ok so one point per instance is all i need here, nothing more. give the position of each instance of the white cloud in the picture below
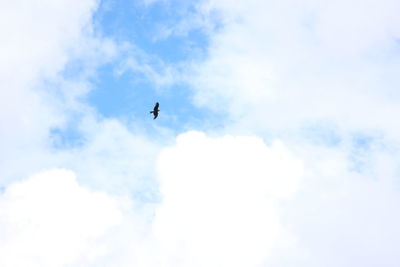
(39, 41)
(341, 217)
(219, 198)
(50, 220)
(278, 64)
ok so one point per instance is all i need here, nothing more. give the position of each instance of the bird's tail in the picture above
(151, 111)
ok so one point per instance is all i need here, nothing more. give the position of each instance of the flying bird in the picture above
(155, 111)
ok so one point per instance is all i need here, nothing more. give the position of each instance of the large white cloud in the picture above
(219, 200)
(50, 220)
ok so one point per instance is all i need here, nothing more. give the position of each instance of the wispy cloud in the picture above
(283, 63)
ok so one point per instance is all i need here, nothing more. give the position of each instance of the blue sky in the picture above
(130, 93)
(277, 143)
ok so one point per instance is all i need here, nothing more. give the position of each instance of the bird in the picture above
(155, 110)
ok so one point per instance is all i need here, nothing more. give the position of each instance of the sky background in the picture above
(277, 143)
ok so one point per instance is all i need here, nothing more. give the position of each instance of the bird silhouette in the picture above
(155, 111)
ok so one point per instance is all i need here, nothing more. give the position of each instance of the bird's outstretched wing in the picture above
(156, 106)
